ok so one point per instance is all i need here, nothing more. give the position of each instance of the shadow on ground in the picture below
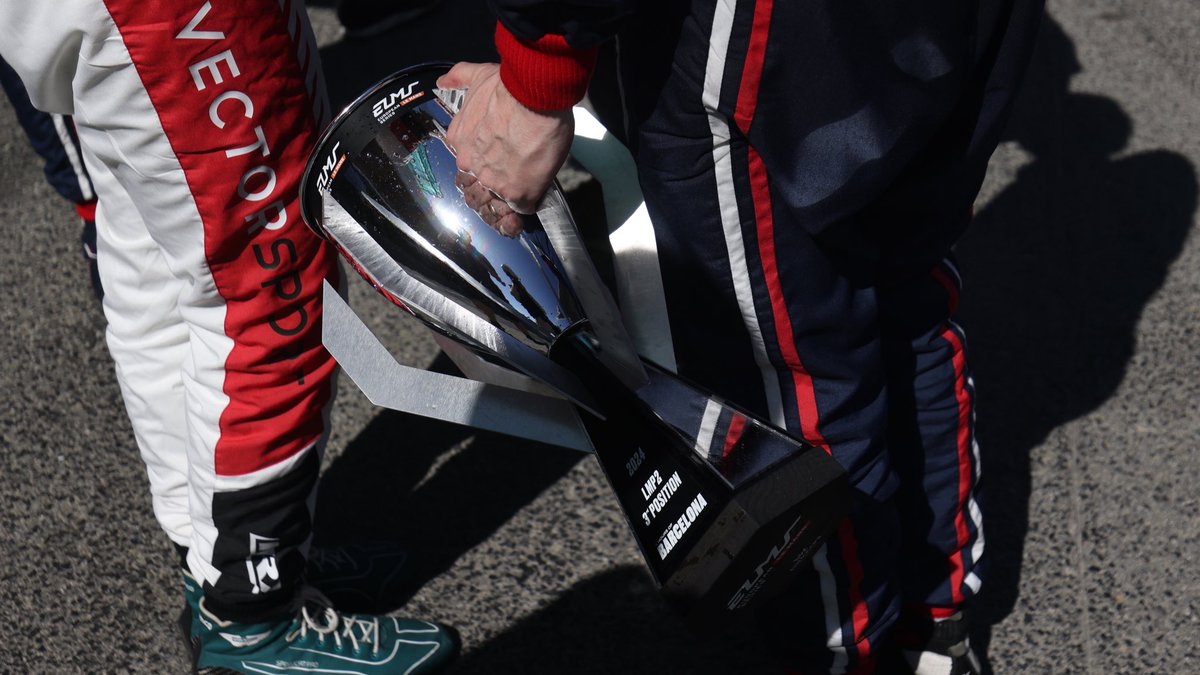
(614, 623)
(1059, 268)
(435, 488)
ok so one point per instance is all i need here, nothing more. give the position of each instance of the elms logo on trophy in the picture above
(387, 106)
(330, 168)
(723, 506)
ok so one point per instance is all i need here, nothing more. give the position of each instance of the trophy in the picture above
(724, 507)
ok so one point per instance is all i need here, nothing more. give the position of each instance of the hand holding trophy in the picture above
(724, 507)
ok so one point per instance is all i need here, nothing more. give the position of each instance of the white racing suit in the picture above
(196, 119)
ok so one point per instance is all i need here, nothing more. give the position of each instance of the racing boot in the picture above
(317, 638)
(946, 650)
(370, 578)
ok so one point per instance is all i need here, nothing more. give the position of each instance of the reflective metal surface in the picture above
(444, 314)
(400, 191)
(536, 415)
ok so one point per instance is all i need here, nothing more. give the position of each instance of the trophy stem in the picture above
(666, 490)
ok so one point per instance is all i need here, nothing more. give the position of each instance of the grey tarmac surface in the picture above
(1083, 310)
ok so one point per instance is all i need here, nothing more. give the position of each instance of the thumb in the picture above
(460, 76)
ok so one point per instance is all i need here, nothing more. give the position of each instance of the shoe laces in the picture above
(358, 631)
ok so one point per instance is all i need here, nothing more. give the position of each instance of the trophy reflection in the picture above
(724, 507)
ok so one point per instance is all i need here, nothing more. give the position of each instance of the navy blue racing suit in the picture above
(807, 168)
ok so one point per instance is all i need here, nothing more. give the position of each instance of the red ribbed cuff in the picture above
(86, 210)
(547, 74)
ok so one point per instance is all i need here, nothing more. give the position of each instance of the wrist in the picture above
(546, 75)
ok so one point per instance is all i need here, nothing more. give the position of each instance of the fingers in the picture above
(494, 210)
(502, 218)
(509, 154)
(474, 193)
(471, 123)
(464, 180)
(511, 224)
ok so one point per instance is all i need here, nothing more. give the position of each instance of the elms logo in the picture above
(387, 106)
(330, 168)
(751, 587)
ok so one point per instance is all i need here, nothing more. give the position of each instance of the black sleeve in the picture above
(584, 23)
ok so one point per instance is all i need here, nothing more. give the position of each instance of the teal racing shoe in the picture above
(371, 578)
(319, 639)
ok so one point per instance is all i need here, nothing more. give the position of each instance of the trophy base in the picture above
(725, 509)
(719, 578)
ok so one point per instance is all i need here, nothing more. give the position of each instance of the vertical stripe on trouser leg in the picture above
(973, 580)
(801, 381)
(727, 198)
(964, 395)
(948, 274)
(860, 616)
(814, 608)
(66, 135)
(846, 622)
(237, 113)
(933, 448)
(803, 389)
(836, 642)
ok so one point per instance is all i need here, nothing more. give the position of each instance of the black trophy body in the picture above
(724, 507)
(721, 526)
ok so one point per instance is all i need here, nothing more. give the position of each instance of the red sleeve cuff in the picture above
(545, 75)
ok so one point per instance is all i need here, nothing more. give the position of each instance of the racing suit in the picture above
(195, 121)
(807, 168)
(53, 138)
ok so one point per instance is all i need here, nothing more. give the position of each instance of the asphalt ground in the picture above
(1082, 305)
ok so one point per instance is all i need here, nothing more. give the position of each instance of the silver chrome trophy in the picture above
(724, 507)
